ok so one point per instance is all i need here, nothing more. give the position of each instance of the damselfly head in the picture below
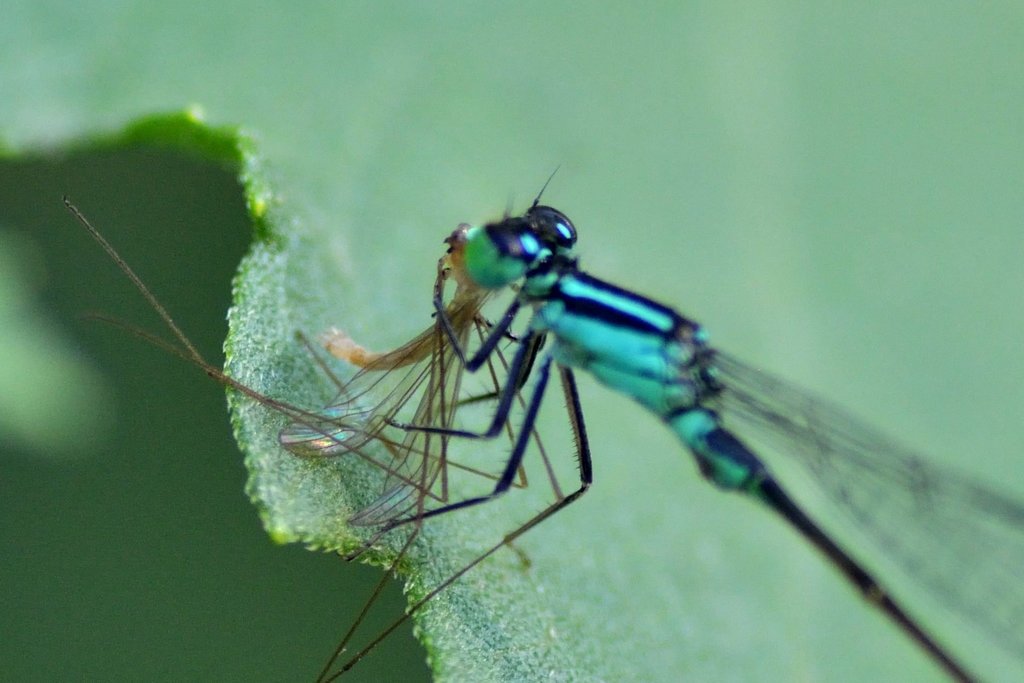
(500, 253)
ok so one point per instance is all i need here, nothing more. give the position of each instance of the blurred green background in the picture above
(834, 192)
(130, 550)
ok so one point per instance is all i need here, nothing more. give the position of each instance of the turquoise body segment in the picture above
(635, 346)
(722, 458)
(629, 344)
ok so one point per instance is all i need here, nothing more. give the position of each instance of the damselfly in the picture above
(963, 541)
(418, 383)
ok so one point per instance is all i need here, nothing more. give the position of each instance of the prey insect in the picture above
(418, 383)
